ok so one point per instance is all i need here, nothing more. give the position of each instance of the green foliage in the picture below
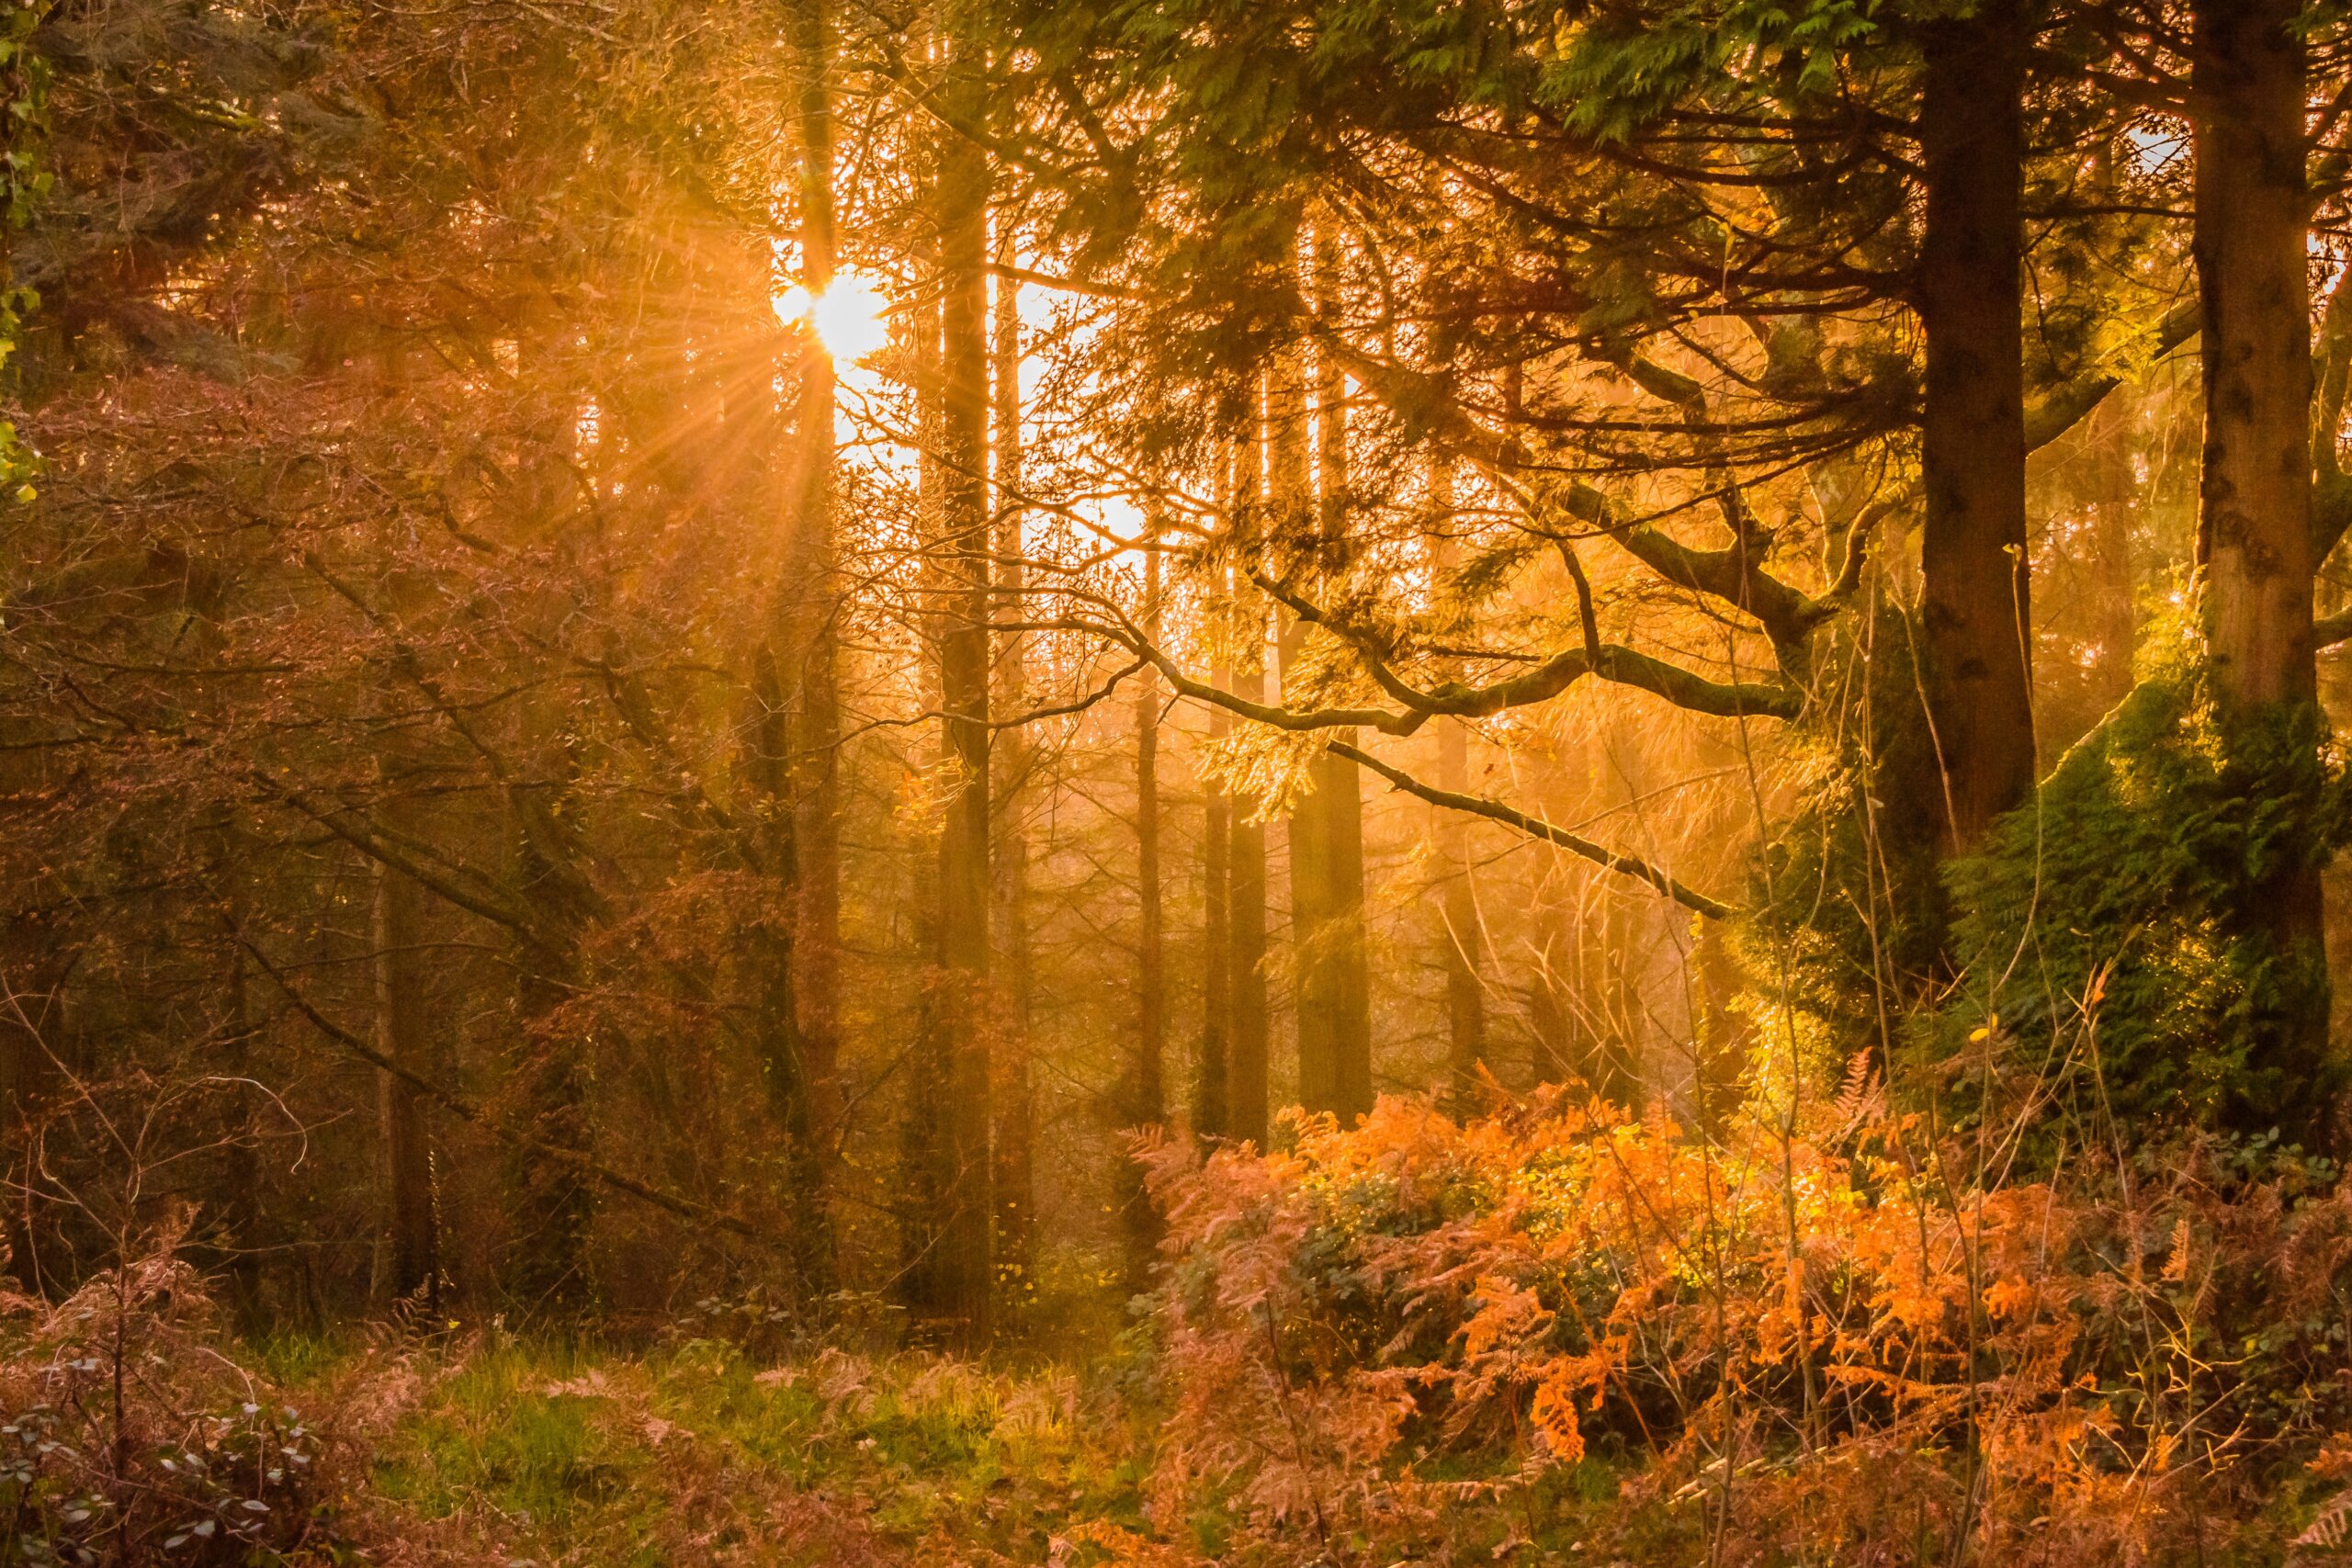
(1628, 66)
(2119, 935)
(234, 1485)
(1849, 915)
(128, 1435)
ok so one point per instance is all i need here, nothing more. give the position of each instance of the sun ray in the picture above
(850, 318)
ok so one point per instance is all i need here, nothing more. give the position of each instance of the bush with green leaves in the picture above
(2122, 974)
(128, 1435)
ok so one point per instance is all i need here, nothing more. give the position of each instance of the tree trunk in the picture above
(411, 1244)
(812, 651)
(1611, 1001)
(1015, 1183)
(1212, 1088)
(550, 1209)
(550, 1206)
(2254, 518)
(1291, 528)
(926, 1176)
(1974, 575)
(1329, 963)
(1339, 783)
(2255, 540)
(962, 954)
(1248, 1100)
(1147, 1095)
(1465, 995)
(1212, 1114)
(785, 1060)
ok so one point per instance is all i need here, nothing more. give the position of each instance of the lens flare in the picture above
(851, 317)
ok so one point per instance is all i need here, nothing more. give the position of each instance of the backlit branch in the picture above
(1535, 827)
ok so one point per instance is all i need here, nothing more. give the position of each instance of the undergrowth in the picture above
(1554, 1335)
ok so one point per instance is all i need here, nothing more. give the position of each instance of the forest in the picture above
(1140, 783)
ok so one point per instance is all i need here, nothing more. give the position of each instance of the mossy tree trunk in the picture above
(2256, 552)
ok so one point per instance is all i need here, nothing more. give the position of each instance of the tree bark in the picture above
(812, 651)
(1329, 963)
(549, 1207)
(2256, 551)
(928, 1175)
(1290, 523)
(1975, 578)
(1014, 1138)
(1465, 996)
(1212, 1115)
(411, 1229)
(966, 1256)
(2253, 515)
(1249, 1098)
(786, 1062)
(1212, 1089)
(1146, 1094)
(1339, 783)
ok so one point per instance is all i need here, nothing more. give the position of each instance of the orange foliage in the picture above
(1776, 1346)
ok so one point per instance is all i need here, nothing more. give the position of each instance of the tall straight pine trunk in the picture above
(1341, 976)
(1290, 524)
(1248, 1097)
(2256, 553)
(550, 1209)
(1211, 1077)
(812, 653)
(1145, 1097)
(1014, 1135)
(1331, 986)
(546, 1267)
(1974, 577)
(1465, 996)
(927, 1176)
(410, 1237)
(965, 1258)
(776, 1025)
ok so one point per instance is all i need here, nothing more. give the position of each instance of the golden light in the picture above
(851, 319)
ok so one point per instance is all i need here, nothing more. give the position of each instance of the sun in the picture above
(851, 317)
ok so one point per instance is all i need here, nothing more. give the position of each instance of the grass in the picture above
(569, 1454)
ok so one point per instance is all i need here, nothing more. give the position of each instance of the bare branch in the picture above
(468, 1112)
(1535, 827)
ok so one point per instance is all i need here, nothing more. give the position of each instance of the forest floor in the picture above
(1495, 1343)
(550, 1455)
(520, 1451)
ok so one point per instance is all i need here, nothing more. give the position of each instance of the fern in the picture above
(2330, 1531)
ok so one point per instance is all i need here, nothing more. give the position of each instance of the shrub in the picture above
(127, 1436)
(1563, 1323)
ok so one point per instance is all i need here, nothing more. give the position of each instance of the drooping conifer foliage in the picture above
(1547, 777)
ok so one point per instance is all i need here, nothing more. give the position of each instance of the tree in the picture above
(2256, 536)
(411, 1240)
(1146, 1092)
(810, 647)
(1011, 761)
(1975, 615)
(966, 1262)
